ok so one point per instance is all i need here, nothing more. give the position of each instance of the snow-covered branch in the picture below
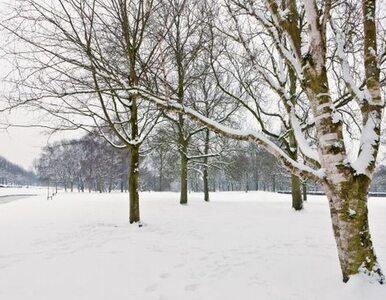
(368, 142)
(304, 146)
(361, 95)
(291, 165)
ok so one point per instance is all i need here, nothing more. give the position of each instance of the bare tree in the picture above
(75, 61)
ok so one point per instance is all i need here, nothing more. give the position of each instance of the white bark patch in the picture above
(351, 212)
(320, 108)
(322, 116)
(337, 178)
(336, 117)
(315, 34)
(333, 158)
(328, 138)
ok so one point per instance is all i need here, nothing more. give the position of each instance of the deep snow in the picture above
(238, 246)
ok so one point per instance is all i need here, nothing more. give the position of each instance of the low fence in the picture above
(321, 193)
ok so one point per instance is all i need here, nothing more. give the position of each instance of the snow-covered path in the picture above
(239, 246)
(9, 198)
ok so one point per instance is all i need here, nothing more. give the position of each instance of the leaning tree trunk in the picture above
(349, 215)
(134, 215)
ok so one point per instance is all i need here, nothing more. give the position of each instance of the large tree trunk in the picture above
(184, 173)
(349, 213)
(133, 185)
(297, 201)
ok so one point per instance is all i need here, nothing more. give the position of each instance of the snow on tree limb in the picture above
(291, 165)
(369, 139)
(346, 72)
(291, 56)
(304, 146)
(372, 109)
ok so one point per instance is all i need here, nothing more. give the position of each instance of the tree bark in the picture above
(184, 173)
(206, 184)
(206, 167)
(349, 215)
(304, 191)
(297, 201)
(134, 215)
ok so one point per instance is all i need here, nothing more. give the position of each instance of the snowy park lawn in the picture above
(238, 246)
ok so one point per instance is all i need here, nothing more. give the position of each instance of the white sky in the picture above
(20, 145)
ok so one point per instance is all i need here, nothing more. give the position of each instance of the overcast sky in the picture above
(20, 145)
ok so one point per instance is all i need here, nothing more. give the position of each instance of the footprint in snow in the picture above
(151, 288)
(164, 275)
(191, 287)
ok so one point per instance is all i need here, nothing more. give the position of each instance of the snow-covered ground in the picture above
(238, 246)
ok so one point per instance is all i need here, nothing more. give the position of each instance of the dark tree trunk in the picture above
(297, 201)
(206, 184)
(304, 191)
(206, 166)
(134, 215)
(184, 173)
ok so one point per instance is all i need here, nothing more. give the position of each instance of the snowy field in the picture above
(239, 246)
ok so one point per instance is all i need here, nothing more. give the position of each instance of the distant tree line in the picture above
(91, 164)
(83, 164)
(12, 174)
